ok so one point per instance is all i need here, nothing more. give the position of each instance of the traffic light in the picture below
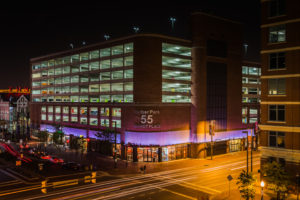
(94, 177)
(44, 187)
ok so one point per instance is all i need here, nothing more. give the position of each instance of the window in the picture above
(94, 66)
(115, 75)
(67, 60)
(74, 110)
(244, 70)
(128, 86)
(104, 64)
(105, 76)
(252, 120)
(58, 71)
(176, 62)
(253, 100)
(117, 62)
(105, 122)
(116, 87)
(94, 121)
(57, 109)
(43, 109)
(116, 50)
(176, 49)
(58, 81)
(277, 60)
(94, 54)
(176, 75)
(116, 123)
(105, 87)
(276, 112)
(66, 110)
(117, 98)
(277, 7)
(253, 111)
(244, 111)
(176, 87)
(94, 98)
(105, 52)
(277, 34)
(84, 56)
(128, 73)
(66, 80)
(244, 90)
(50, 117)
(43, 117)
(83, 120)
(94, 77)
(74, 119)
(83, 110)
(66, 70)
(128, 98)
(36, 91)
(84, 89)
(253, 81)
(36, 75)
(116, 112)
(75, 79)
(276, 139)
(276, 86)
(253, 71)
(84, 98)
(84, 78)
(128, 61)
(59, 61)
(128, 48)
(84, 67)
(94, 111)
(65, 118)
(74, 99)
(50, 109)
(36, 84)
(94, 88)
(104, 98)
(74, 89)
(57, 118)
(104, 112)
(75, 68)
(244, 120)
(176, 98)
(252, 91)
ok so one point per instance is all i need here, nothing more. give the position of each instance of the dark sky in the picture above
(29, 31)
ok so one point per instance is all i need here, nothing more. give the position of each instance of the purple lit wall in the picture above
(157, 138)
(92, 134)
(224, 135)
(46, 127)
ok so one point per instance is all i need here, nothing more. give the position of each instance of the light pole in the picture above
(297, 182)
(262, 185)
(247, 152)
(115, 153)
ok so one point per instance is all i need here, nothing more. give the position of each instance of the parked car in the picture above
(71, 165)
(57, 160)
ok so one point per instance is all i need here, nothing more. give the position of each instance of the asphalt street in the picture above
(202, 178)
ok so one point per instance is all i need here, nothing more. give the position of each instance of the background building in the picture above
(159, 92)
(280, 99)
(251, 92)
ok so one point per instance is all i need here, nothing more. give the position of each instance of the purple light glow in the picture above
(219, 136)
(157, 138)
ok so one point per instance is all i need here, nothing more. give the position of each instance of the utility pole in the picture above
(115, 153)
(251, 149)
(212, 133)
(247, 150)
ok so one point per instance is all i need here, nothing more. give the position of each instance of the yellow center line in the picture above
(17, 191)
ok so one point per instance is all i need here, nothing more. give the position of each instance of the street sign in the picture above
(18, 163)
(229, 178)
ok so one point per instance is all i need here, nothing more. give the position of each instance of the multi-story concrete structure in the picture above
(158, 92)
(280, 99)
(251, 91)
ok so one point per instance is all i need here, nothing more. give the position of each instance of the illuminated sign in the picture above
(147, 118)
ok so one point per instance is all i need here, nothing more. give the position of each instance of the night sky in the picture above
(29, 31)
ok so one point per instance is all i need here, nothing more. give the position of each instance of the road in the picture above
(203, 178)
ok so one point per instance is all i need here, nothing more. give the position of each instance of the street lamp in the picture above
(297, 182)
(115, 153)
(262, 185)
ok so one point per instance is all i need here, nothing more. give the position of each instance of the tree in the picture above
(58, 137)
(43, 136)
(105, 135)
(276, 177)
(246, 185)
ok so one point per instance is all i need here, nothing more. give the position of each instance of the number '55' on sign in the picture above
(146, 119)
